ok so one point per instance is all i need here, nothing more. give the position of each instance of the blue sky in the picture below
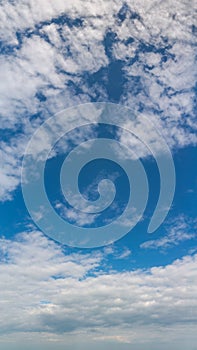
(139, 60)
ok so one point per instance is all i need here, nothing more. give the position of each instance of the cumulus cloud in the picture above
(55, 55)
(62, 294)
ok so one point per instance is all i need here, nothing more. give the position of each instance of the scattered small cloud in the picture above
(179, 230)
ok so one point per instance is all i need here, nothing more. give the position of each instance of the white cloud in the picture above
(60, 294)
(78, 218)
(180, 230)
(125, 254)
(54, 59)
(112, 250)
(10, 169)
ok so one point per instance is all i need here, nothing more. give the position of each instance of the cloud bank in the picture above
(70, 295)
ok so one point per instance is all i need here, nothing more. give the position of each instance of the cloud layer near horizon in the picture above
(70, 295)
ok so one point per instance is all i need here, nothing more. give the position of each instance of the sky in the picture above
(98, 194)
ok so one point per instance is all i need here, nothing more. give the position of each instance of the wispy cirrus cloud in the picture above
(180, 229)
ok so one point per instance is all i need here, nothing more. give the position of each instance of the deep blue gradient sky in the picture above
(140, 55)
